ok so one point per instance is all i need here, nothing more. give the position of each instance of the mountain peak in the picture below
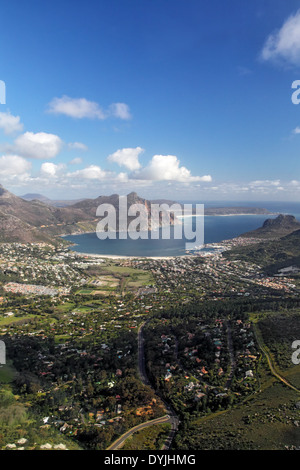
(133, 195)
(281, 221)
(282, 225)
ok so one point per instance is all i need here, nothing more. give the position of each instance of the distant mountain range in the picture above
(237, 210)
(35, 218)
(38, 220)
(35, 221)
(50, 202)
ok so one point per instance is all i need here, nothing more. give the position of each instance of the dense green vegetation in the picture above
(215, 332)
(202, 401)
(271, 255)
(269, 421)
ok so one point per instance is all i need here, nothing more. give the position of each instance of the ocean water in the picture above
(216, 229)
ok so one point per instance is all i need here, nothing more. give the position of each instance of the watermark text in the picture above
(2, 353)
(296, 354)
(154, 221)
(2, 92)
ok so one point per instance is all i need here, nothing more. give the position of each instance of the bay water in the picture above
(216, 229)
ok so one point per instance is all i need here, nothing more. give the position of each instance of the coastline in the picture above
(221, 215)
(94, 255)
(271, 214)
(71, 245)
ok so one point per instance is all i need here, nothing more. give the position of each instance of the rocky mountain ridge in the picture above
(34, 221)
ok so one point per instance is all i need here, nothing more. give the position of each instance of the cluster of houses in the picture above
(209, 273)
(44, 265)
(31, 289)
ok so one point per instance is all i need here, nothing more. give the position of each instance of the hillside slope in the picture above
(271, 255)
(275, 228)
(34, 221)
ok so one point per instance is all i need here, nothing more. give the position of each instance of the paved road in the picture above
(120, 441)
(171, 417)
(274, 372)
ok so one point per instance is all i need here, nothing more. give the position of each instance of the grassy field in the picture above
(6, 321)
(267, 422)
(115, 279)
(278, 330)
(7, 373)
(130, 277)
(64, 307)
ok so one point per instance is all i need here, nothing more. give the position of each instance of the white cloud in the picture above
(52, 170)
(76, 108)
(266, 188)
(78, 146)
(10, 123)
(80, 108)
(283, 46)
(92, 172)
(122, 178)
(120, 110)
(296, 130)
(128, 157)
(13, 165)
(40, 145)
(167, 168)
(264, 183)
(257, 187)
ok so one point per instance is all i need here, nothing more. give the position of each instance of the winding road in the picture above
(270, 364)
(170, 417)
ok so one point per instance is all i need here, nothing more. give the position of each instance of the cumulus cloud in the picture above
(76, 108)
(79, 108)
(128, 157)
(167, 168)
(283, 45)
(13, 165)
(122, 178)
(52, 170)
(92, 172)
(40, 145)
(10, 123)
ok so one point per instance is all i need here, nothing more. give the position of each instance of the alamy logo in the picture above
(296, 354)
(2, 92)
(151, 221)
(2, 353)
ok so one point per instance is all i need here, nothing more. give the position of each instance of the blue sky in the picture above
(183, 99)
